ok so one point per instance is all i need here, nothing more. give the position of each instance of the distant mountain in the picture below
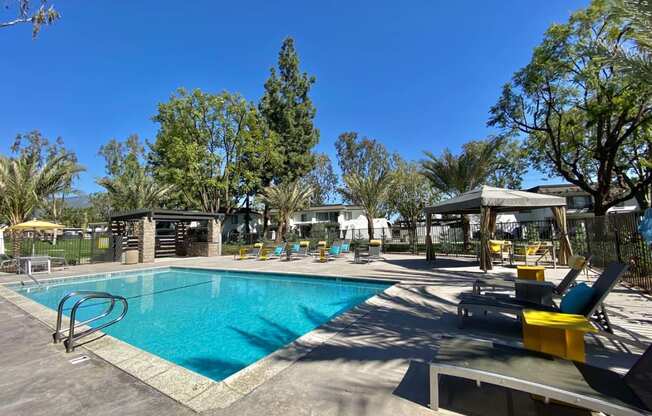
(79, 201)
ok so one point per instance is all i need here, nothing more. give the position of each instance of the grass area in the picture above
(74, 250)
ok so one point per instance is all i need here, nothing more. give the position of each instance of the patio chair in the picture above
(512, 306)
(266, 254)
(497, 249)
(566, 382)
(373, 253)
(297, 250)
(576, 263)
(526, 252)
(8, 262)
(345, 247)
(252, 253)
(331, 254)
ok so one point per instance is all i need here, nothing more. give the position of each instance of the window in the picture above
(322, 216)
(234, 218)
(578, 202)
(304, 217)
(332, 216)
(348, 215)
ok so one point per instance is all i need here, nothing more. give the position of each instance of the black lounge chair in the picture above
(564, 381)
(532, 290)
(603, 285)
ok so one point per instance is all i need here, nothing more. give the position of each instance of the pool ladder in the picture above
(70, 339)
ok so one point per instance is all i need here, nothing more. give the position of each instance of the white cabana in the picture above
(488, 202)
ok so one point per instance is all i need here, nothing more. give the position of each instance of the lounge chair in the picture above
(345, 247)
(567, 382)
(544, 290)
(8, 262)
(266, 254)
(373, 252)
(331, 254)
(252, 253)
(603, 285)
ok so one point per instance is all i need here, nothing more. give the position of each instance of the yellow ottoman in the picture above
(531, 273)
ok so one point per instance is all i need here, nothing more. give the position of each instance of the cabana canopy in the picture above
(488, 202)
(499, 199)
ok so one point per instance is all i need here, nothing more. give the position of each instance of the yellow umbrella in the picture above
(35, 225)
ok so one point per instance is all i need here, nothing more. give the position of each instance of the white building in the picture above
(579, 203)
(347, 220)
(234, 225)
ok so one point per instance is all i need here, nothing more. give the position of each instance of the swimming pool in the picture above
(213, 322)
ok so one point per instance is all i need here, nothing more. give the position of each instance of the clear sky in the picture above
(418, 75)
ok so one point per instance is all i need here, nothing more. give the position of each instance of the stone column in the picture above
(146, 240)
(214, 238)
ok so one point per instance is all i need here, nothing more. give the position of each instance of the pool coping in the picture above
(185, 386)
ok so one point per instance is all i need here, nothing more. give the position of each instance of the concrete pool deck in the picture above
(375, 365)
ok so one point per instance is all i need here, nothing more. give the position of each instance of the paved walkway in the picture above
(376, 366)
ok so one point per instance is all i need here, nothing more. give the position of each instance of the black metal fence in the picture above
(86, 248)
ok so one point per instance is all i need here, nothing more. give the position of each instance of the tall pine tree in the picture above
(290, 113)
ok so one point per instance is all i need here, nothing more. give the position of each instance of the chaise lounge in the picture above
(481, 305)
(567, 382)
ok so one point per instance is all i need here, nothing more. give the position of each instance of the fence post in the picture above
(92, 245)
(79, 252)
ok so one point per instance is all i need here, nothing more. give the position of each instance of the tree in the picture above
(290, 113)
(33, 144)
(578, 111)
(370, 193)
(322, 180)
(287, 198)
(637, 15)
(212, 148)
(42, 16)
(483, 162)
(129, 184)
(101, 207)
(361, 156)
(409, 193)
(29, 178)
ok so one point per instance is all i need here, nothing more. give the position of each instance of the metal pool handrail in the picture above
(69, 341)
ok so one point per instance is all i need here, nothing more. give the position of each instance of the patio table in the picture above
(559, 334)
(27, 263)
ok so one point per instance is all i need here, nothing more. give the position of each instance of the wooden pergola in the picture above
(142, 233)
(488, 202)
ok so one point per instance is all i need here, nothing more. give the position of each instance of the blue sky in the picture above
(417, 75)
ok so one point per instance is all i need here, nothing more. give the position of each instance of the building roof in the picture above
(502, 200)
(326, 207)
(166, 215)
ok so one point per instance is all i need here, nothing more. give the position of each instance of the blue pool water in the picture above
(214, 322)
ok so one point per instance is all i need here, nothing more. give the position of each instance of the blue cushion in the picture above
(577, 299)
(345, 247)
(335, 250)
(296, 247)
(278, 250)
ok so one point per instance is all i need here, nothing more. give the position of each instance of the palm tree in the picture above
(369, 192)
(26, 183)
(134, 190)
(454, 175)
(287, 198)
(637, 15)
